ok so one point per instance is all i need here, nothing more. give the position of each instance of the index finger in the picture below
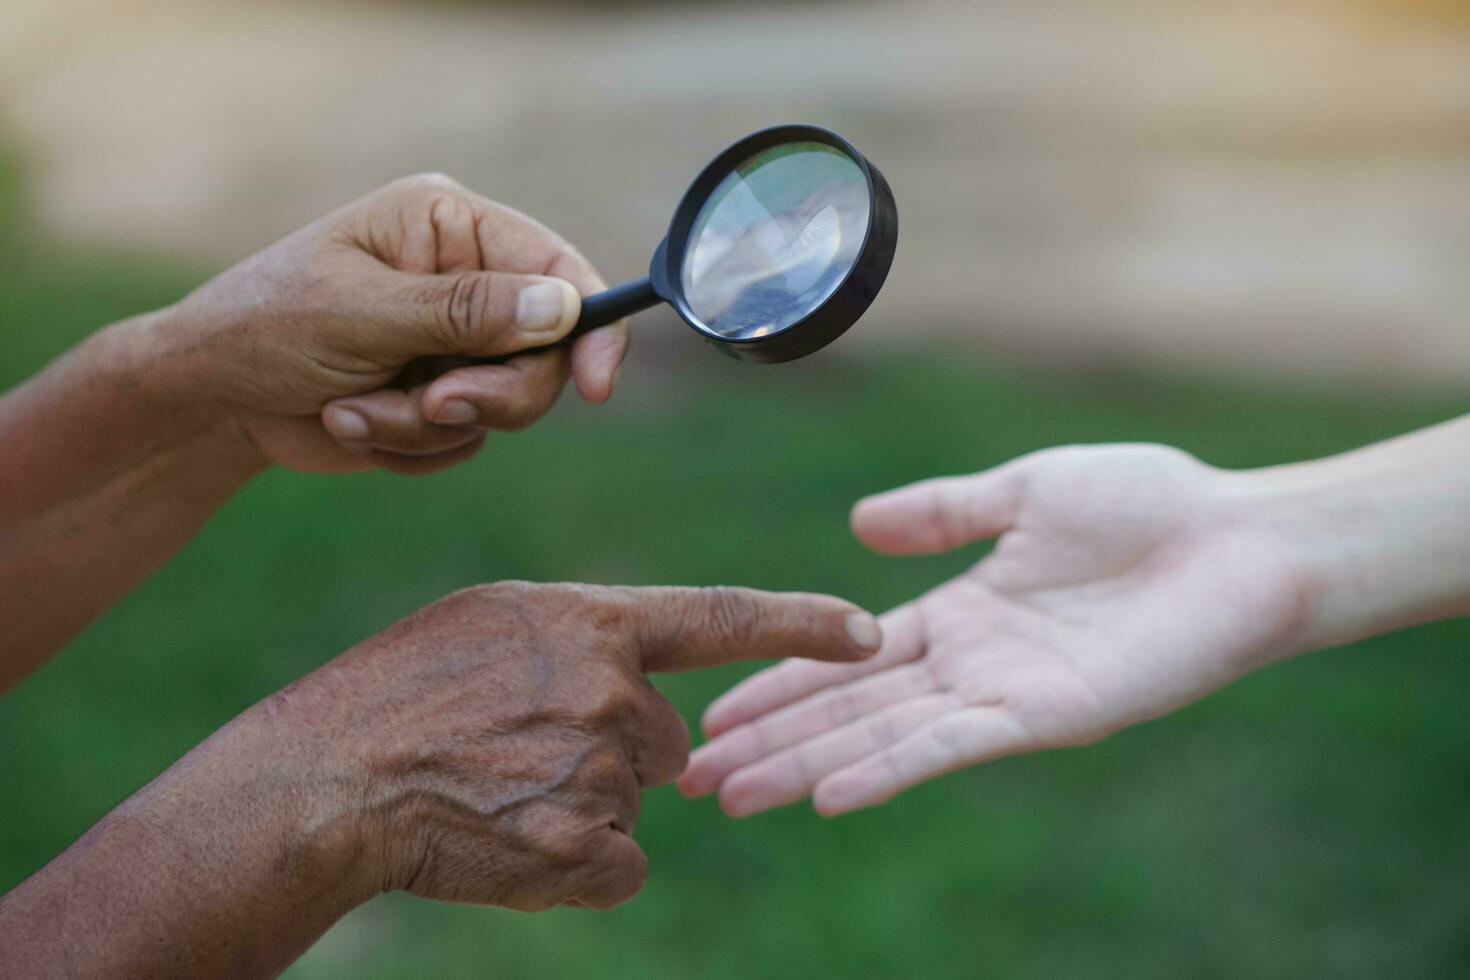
(516, 242)
(512, 241)
(688, 629)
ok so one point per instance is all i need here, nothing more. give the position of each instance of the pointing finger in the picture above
(687, 629)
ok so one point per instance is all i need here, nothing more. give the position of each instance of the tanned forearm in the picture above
(108, 471)
(232, 862)
(227, 865)
(115, 456)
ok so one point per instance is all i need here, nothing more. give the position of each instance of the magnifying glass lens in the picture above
(775, 239)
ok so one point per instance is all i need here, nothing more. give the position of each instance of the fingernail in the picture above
(864, 630)
(540, 308)
(347, 424)
(455, 412)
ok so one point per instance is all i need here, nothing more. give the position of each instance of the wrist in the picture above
(268, 846)
(1377, 539)
(166, 361)
(114, 416)
(216, 868)
(312, 804)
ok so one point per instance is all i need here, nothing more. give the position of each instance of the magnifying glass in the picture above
(778, 246)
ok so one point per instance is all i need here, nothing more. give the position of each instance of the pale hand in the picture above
(1127, 581)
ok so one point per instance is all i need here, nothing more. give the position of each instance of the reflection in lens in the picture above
(775, 239)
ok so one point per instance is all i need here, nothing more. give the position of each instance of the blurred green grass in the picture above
(1310, 821)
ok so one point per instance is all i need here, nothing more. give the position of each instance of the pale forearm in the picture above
(109, 469)
(1381, 534)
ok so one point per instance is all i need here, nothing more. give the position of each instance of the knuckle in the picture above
(431, 181)
(579, 608)
(562, 852)
(440, 207)
(490, 595)
(464, 310)
(506, 589)
(421, 187)
(567, 258)
(606, 612)
(566, 253)
(611, 705)
(729, 612)
(565, 839)
(602, 774)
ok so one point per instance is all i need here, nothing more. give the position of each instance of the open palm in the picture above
(1127, 581)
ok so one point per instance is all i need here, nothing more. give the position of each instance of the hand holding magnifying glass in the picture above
(778, 246)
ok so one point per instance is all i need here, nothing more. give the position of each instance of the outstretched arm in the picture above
(491, 749)
(342, 348)
(1127, 581)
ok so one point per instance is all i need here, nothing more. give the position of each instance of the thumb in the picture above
(687, 629)
(477, 314)
(940, 515)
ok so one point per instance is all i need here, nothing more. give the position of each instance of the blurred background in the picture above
(1238, 227)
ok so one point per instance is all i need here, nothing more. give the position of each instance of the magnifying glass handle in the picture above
(614, 305)
(602, 309)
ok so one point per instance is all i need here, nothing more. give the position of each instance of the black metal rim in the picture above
(852, 296)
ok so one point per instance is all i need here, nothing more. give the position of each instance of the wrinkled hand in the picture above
(347, 345)
(1127, 581)
(492, 748)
